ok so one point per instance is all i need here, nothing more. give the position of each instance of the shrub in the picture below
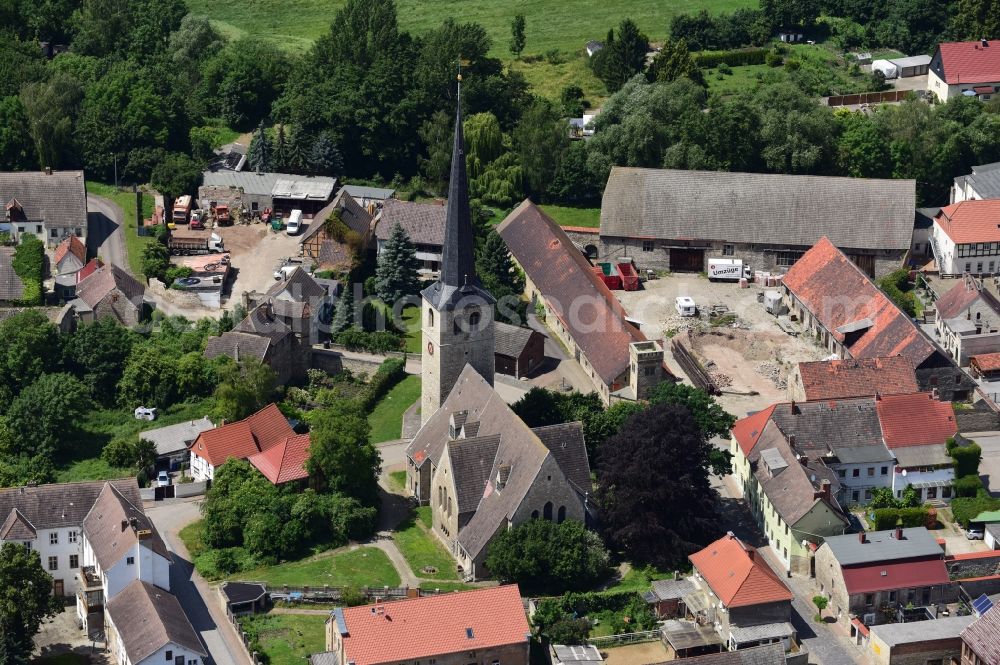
(966, 508)
(773, 59)
(966, 459)
(886, 518)
(968, 486)
(735, 58)
(725, 69)
(389, 373)
(373, 342)
(29, 264)
(569, 631)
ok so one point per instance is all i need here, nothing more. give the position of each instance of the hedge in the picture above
(28, 264)
(966, 459)
(389, 373)
(736, 58)
(966, 508)
(373, 342)
(886, 518)
(968, 486)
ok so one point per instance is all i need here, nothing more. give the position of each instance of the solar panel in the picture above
(982, 605)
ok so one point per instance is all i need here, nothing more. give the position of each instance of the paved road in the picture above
(200, 602)
(105, 231)
(989, 467)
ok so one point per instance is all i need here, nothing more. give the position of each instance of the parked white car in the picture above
(162, 479)
(294, 224)
(145, 413)
(975, 533)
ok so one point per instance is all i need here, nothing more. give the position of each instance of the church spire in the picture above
(458, 263)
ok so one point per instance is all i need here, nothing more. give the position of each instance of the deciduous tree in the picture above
(341, 456)
(25, 599)
(43, 416)
(97, 353)
(244, 388)
(517, 36)
(176, 174)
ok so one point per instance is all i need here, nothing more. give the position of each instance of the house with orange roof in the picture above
(739, 594)
(965, 237)
(284, 462)
(257, 433)
(851, 377)
(916, 428)
(845, 312)
(479, 627)
(965, 68)
(967, 320)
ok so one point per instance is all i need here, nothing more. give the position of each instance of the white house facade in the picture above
(965, 68)
(965, 237)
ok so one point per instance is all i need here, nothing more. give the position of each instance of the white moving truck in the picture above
(727, 269)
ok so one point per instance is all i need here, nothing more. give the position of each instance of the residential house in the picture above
(423, 224)
(792, 497)
(851, 377)
(479, 627)
(519, 350)
(242, 439)
(982, 183)
(266, 337)
(285, 461)
(371, 199)
(849, 315)
(966, 238)
(69, 259)
(327, 243)
(147, 626)
(921, 642)
(579, 309)
(676, 220)
(871, 575)
(965, 68)
(49, 204)
(967, 320)
(302, 302)
(172, 442)
(11, 286)
(119, 545)
(740, 595)
(981, 640)
(49, 519)
(255, 191)
(483, 471)
(107, 292)
(915, 428)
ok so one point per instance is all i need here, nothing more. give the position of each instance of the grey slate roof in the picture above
(59, 199)
(883, 546)
(763, 631)
(174, 438)
(896, 634)
(985, 180)
(364, 192)
(243, 592)
(815, 428)
(510, 340)
(149, 618)
(249, 345)
(924, 217)
(102, 527)
(785, 210)
(11, 286)
(932, 455)
(60, 505)
(262, 321)
(565, 442)
(277, 185)
(472, 461)
(670, 589)
(863, 454)
(97, 285)
(17, 527)
(983, 636)
(768, 654)
(351, 213)
(300, 286)
(423, 222)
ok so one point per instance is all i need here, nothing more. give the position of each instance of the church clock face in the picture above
(430, 348)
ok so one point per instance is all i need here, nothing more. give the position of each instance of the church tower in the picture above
(457, 312)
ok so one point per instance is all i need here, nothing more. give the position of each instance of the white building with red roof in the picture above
(965, 68)
(741, 595)
(965, 238)
(915, 428)
(245, 439)
(480, 627)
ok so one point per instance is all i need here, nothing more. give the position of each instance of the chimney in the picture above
(48, 169)
(503, 473)
(124, 524)
(861, 538)
(824, 491)
(878, 396)
(899, 529)
(793, 406)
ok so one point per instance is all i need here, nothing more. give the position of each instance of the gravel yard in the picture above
(256, 251)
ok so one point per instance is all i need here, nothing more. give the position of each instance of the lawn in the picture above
(99, 427)
(397, 480)
(193, 536)
(422, 549)
(567, 216)
(639, 579)
(548, 76)
(126, 201)
(386, 419)
(818, 63)
(364, 566)
(446, 586)
(287, 639)
(565, 25)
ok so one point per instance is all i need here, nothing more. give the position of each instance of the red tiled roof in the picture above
(969, 62)
(983, 90)
(260, 431)
(72, 245)
(986, 362)
(971, 221)
(420, 628)
(841, 379)
(738, 575)
(915, 420)
(837, 293)
(889, 576)
(747, 430)
(284, 462)
(581, 301)
(88, 269)
(862, 628)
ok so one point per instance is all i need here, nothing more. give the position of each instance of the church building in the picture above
(480, 467)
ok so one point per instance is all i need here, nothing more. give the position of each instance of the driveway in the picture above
(989, 467)
(105, 231)
(200, 602)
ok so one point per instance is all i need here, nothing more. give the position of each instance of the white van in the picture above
(294, 224)
(685, 306)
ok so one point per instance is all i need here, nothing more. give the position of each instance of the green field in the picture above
(565, 25)
(287, 639)
(567, 216)
(422, 549)
(816, 58)
(126, 201)
(386, 419)
(364, 566)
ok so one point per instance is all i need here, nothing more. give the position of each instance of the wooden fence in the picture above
(869, 98)
(699, 377)
(624, 638)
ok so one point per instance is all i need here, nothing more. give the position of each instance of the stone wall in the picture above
(981, 419)
(980, 566)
